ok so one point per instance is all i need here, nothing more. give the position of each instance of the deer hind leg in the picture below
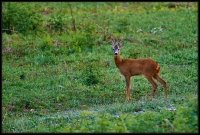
(128, 87)
(153, 83)
(159, 79)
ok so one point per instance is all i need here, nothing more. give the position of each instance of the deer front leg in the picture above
(128, 88)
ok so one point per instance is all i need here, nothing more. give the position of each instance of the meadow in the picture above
(59, 75)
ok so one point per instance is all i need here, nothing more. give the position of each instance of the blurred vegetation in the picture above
(58, 72)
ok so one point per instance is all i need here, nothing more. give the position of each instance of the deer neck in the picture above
(118, 60)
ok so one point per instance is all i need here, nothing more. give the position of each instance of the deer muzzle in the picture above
(116, 51)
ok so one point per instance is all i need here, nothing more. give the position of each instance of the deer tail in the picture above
(158, 68)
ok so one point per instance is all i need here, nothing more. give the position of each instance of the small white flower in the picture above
(32, 110)
(139, 30)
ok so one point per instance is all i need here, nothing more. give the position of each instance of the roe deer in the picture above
(131, 67)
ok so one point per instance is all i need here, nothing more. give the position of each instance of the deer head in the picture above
(116, 45)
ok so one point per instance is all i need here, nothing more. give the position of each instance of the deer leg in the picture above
(158, 78)
(128, 87)
(153, 83)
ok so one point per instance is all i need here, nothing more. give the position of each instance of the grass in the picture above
(64, 81)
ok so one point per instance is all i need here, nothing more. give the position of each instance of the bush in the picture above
(81, 42)
(186, 118)
(57, 23)
(92, 74)
(22, 19)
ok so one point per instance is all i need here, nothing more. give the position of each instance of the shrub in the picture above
(91, 74)
(22, 19)
(57, 23)
(186, 118)
(81, 42)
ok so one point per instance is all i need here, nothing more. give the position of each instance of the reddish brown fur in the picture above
(131, 67)
(147, 67)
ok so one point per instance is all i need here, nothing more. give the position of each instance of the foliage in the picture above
(56, 79)
(92, 74)
(22, 19)
(57, 23)
(186, 117)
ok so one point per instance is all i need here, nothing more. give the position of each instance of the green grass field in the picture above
(59, 75)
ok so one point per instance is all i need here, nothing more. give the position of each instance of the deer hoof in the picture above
(128, 98)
